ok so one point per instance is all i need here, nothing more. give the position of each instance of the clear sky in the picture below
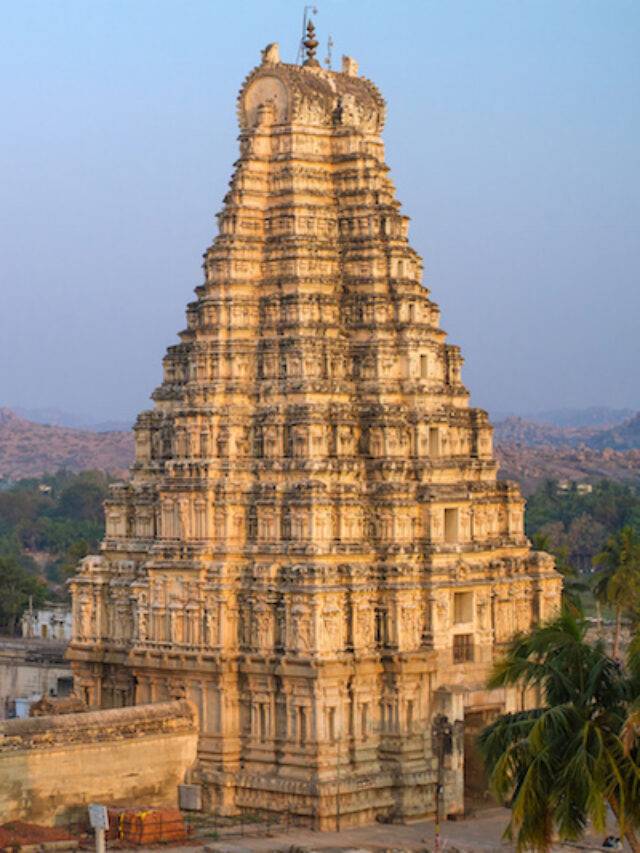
(512, 136)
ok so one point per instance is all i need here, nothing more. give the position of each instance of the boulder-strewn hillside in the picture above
(531, 465)
(516, 430)
(28, 449)
(530, 452)
(623, 436)
(626, 436)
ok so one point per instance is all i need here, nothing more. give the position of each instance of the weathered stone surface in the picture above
(51, 768)
(48, 706)
(313, 546)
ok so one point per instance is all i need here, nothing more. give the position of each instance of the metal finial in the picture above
(310, 8)
(311, 45)
(329, 59)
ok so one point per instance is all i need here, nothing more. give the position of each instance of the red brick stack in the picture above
(143, 826)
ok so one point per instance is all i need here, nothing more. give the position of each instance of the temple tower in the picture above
(313, 546)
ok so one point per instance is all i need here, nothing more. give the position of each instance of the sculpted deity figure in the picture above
(123, 619)
(300, 628)
(410, 621)
(183, 512)
(175, 622)
(211, 623)
(331, 623)
(364, 624)
(244, 627)
(156, 444)
(143, 627)
(262, 627)
(85, 617)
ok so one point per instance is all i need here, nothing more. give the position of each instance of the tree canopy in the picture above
(565, 761)
(46, 526)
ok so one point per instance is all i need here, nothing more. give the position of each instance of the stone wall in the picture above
(52, 767)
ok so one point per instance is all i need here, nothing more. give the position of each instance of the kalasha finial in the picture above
(311, 45)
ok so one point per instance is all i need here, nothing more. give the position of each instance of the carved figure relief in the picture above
(300, 628)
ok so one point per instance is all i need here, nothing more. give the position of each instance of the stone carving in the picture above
(300, 628)
(410, 626)
(84, 624)
(183, 514)
(262, 627)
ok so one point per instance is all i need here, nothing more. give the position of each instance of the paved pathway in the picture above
(482, 832)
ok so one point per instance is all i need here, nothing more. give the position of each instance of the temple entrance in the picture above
(476, 785)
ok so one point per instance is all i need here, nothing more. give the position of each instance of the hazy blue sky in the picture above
(512, 136)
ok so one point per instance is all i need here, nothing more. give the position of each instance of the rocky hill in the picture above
(603, 417)
(626, 436)
(29, 449)
(530, 451)
(515, 430)
(531, 465)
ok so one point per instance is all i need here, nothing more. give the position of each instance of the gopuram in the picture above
(313, 546)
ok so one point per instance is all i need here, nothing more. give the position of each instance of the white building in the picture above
(51, 622)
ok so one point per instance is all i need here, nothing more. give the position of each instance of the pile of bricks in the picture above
(141, 826)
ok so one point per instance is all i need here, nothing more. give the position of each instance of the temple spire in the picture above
(311, 45)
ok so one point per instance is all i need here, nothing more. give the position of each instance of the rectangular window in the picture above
(424, 365)
(451, 525)
(381, 633)
(462, 607)
(462, 648)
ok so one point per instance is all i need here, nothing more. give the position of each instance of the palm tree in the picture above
(618, 581)
(631, 728)
(562, 763)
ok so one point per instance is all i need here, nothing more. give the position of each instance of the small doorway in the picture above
(476, 784)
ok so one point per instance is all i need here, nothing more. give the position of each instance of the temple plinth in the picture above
(313, 545)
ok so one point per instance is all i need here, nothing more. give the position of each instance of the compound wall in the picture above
(51, 768)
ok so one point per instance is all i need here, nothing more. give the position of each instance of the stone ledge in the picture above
(113, 724)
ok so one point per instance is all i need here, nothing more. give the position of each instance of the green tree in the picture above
(83, 497)
(617, 582)
(572, 586)
(562, 763)
(17, 586)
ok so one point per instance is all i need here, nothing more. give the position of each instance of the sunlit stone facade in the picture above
(313, 546)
